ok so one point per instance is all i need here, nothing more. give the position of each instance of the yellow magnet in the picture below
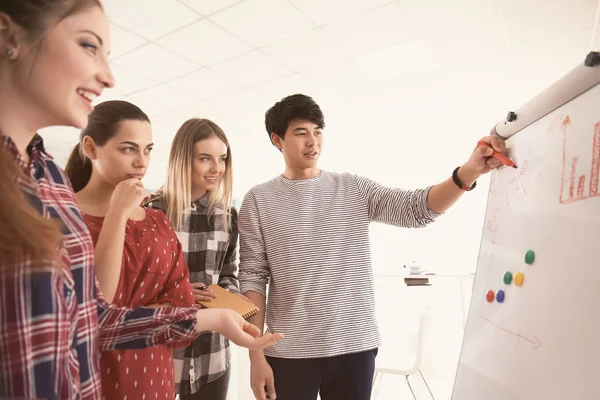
(519, 278)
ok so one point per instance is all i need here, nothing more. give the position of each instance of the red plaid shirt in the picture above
(54, 323)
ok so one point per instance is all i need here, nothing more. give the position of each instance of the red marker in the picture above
(497, 155)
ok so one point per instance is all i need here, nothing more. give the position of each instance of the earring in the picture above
(9, 52)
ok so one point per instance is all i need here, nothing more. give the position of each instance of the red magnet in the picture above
(490, 296)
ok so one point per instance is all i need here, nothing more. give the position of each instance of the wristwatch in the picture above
(459, 183)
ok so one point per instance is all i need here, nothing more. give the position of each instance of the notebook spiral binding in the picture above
(250, 314)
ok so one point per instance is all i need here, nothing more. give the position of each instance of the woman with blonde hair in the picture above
(196, 198)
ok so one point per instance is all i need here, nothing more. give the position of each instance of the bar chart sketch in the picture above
(580, 171)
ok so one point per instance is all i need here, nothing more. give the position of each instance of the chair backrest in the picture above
(390, 368)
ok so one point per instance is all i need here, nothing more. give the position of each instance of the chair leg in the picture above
(376, 384)
(426, 384)
(410, 387)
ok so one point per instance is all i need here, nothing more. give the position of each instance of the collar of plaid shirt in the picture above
(54, 322)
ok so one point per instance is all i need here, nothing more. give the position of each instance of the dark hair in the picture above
(103, 124)
(291, 108)
(31, 236)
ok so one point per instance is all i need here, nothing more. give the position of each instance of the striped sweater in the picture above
(308, 242)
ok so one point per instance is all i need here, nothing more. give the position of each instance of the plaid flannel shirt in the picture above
(211, 255)
(54, 321)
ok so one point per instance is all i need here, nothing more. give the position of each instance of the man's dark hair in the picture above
(294, 107)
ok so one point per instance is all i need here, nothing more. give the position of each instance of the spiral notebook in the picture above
(226, 299)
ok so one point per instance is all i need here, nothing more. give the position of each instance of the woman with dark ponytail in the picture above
(139, 261)
(78, 169)
(102, 126)
(54, 321)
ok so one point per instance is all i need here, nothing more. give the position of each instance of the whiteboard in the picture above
(541, 342)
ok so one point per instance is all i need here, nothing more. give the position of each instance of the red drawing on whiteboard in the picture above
(580, 172)
(533, 340)
(520, 185)
(514, 193)
(489, 270)
(491, 225)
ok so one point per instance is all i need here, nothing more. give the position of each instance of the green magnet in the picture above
(508, 277)
(529, 257)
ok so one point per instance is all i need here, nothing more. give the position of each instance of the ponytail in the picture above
(25, 234)
(79, 168)
(103, 124)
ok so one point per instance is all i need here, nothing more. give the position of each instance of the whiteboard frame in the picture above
(578, 81)
(572, 85)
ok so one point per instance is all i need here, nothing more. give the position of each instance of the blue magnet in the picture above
(500, 296)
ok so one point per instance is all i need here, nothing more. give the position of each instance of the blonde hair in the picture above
(177, 191)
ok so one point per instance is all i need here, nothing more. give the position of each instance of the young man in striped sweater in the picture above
(305, 234)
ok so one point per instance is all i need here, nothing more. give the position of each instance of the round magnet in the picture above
(490, 296)
(500, 296)
(519, 278)
(508, 277)
(529, 257)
